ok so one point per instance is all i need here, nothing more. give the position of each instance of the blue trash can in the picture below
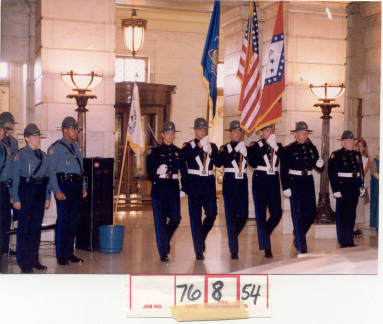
(111, 238)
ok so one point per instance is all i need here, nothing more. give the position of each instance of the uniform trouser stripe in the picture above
(298, 224)
(258, 217)
(345, 218)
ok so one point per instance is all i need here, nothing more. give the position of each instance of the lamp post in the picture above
(82, 83)
(134, 30)
(326, 95)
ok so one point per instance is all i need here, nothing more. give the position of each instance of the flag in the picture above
(270, 111)
(135, 133)
(249, 73)
(210, 57)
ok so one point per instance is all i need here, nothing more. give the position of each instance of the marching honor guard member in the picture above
(200, 156)
(345, 171)
(163, 164)
(5, 184)
(66, 179)
(10, 122)
(232, 156)
(30, 195)
(300, 157)
(264, 156)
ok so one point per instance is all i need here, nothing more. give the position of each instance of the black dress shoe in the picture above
(204, 247)
(26, 269)
(39, 266)
(268, 254)
(164, 258)
(75, 259)
(199, 256)
(234, 256)
(62, 261)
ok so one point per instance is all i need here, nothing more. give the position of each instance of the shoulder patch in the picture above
(252, 144)
(332, 156)
(222, 148)
(185, 144)
(50, 151)
(15, 157)
(149, 151)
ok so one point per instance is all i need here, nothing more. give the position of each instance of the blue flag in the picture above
(210, 56)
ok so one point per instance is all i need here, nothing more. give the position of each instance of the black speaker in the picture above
(97, 207)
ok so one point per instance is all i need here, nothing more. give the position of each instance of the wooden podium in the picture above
(155, 103)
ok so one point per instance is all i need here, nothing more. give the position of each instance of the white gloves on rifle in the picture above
(319, 163)
(207, 148)
(204, 140)
(338, 194)
(287, 193)
(362, 191)
(241, 148)
(182, 194)
(162, 169)
(272, 140)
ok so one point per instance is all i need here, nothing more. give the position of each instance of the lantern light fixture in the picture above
(326, 92)
(134, 30)
(82, 82)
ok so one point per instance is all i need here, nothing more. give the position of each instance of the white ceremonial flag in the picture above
(135, 132)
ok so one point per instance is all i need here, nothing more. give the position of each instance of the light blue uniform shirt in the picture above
(61, 160)
(24, 163)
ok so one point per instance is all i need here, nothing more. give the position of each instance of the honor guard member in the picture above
(10, 122)
(345, 171)
(5, 184)
(300, 157)
(66, 179)
(163, 164)
(200, 156)
(232, 156)
(264, 156)
(30, 196)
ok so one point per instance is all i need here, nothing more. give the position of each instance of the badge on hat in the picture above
(31, 130)
(347, 134)
(169, 126)
(301, 126)
(234, 124)
(200, 123)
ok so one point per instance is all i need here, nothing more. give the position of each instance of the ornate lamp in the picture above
(326, 94)
(134, 30)
(82, 83)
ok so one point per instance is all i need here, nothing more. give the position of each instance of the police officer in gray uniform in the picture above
(5, 184)
(30, 195)
(10, 122)
(345, 171)
(66, 178)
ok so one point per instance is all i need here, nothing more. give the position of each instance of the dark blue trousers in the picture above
(68, 214)
(200, 229)
(164, 209)
(345, 219)
(5, 218)
(32, 198)
(266, 194)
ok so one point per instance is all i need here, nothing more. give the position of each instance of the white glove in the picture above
(272, 140)
(162, 169)
(362, 191)
(241, 148)
(204, 140)
(338, 194)
(182, 194)
(207, 148)
(319, 163)
(287, 193)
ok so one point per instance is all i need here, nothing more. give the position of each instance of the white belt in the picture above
(348, 174)
(266, 169)
(300, 173)
(168, 176)
(198, 172)
(238, 175)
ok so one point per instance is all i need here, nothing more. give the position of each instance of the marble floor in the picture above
(140, 254)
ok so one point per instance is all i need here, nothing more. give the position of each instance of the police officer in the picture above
(9, 140)
(297, 166)
(232, 156)
(30, 195)
(5, 184)
(66, 179)
(264, 156)
(345, 171)
(163, 164)
(200, 156)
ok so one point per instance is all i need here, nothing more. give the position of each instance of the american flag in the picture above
(249, 73)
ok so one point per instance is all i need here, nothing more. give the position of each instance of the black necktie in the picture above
(72, 148)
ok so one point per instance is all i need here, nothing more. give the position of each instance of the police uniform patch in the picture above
(50, 151)
(357, 157)
(332, 156)
(185, 144)
(149, 151)
(222, 148)
(176, 154)
(252, 144)
(15, 157)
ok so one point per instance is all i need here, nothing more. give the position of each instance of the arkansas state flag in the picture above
(270, 111)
